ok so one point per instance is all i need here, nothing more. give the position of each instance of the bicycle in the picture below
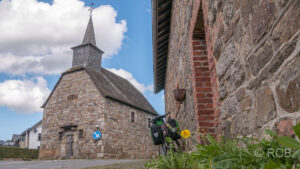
(169, 134)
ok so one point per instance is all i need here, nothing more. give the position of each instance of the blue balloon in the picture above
(97, 135)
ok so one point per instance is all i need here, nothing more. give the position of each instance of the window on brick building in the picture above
(80, 135)
(149, 122)
(60, 135)
(39, 137)
(132, 117)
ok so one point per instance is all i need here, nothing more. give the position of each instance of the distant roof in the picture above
(113, 87)
(31, 128)
(161, 16)
(15, 137)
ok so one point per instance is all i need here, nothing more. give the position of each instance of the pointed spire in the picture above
(89, 36)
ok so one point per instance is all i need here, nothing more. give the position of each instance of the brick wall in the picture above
(203, 94)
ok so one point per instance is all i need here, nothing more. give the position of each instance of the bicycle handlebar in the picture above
(159, 117)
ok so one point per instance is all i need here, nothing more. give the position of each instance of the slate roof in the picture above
(15, 137)
(31, 128)
(89, 36)
(114, 87)
(161, 19)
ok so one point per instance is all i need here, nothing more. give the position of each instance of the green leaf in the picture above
(297, 154)
(297, 130)
(271, 165)
(288, 142)
(270, 132)
(168, 139)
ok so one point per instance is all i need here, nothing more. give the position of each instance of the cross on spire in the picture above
(91, 9)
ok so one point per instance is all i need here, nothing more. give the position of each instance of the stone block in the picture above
(247, 9)
(288, 89)
(100, 155)
(245, 103)
(240, 94)
(284, 127)
(260, 58)
(244, 123)
(274, 65)
(288, 25)
(226, 60)
(228, 108)
(263, 18)
(265, 105)
(228, 11)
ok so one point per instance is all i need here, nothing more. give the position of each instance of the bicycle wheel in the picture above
(164, 149)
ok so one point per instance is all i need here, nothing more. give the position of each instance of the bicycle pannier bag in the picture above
(156, 134)
(174, 129)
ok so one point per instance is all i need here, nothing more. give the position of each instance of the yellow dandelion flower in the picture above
(185, 133)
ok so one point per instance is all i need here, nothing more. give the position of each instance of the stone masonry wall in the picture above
(179, 72)
(76, 101)
(256, 50)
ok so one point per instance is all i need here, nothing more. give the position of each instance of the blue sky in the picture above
(129, 53)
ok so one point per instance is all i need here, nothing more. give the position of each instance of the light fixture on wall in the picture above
(179, 95)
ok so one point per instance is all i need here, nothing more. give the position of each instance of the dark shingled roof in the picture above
(113, 87)
(161, 19)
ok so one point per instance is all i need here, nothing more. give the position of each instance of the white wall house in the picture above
(31, 138)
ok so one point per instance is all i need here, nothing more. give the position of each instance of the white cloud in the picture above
(163, 97)
(128, 76)
(24, 96)
(36, 37)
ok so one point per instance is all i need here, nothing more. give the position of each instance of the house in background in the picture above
(30, 138)
(2, 143)
(15, 139)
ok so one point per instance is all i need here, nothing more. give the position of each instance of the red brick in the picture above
(197, 74)
(196, 43)
(201, 89)
(197, 47)
(207, 112)
(206, 73)
(207, 84)
(209, 106)
(202, 79)
(197, 64)
(205, 64)
(201, 96)
(200, 106)
(199, 84)
(207, 124)
(197, 53)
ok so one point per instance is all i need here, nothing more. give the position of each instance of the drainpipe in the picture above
(27, 139)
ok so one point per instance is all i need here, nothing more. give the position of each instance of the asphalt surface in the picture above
(57, 164)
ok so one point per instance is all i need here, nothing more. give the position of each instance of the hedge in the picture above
(14, 152)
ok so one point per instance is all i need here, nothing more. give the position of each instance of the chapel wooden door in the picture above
(70, 142)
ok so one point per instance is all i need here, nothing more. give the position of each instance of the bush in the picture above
(243, 152)
(14, 152)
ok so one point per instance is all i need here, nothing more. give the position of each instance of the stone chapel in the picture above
(89, 98)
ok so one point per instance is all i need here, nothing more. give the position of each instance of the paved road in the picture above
(57, 164)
